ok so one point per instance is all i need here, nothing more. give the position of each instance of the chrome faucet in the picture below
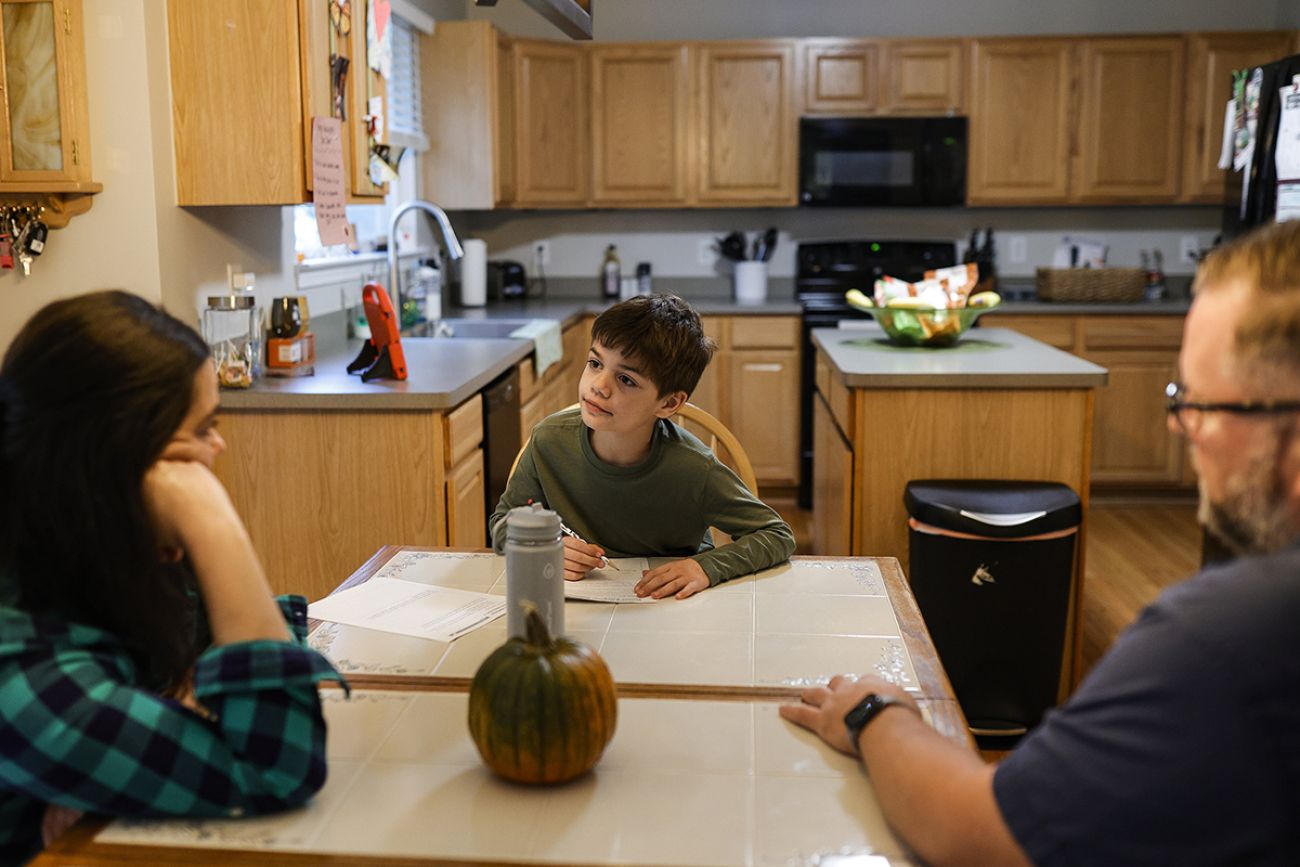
(449, 241)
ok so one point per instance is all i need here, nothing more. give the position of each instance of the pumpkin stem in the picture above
(535, 631)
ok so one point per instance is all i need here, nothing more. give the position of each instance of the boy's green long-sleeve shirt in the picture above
(661, 507)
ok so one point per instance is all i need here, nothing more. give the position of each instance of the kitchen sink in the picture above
(470, 329)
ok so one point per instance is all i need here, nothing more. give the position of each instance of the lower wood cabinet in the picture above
(466, 523)
(1131, 442)
(832, 485)
(321, 490)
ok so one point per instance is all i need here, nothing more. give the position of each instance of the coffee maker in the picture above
(507, 280)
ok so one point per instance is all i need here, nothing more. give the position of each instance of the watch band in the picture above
(862, 713)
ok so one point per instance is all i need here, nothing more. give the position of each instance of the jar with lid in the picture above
(231, 327)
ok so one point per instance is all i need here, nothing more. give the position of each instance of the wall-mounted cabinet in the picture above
(1211, 58)
(44, 127)
(551, 129)
(640, 116)
(840, 76)
(923, 76)
(747, 134)
(246, 81)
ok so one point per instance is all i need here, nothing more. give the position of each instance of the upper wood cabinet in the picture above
(745, 122)
(640, 112)
(1211, 58)
(840, 76)
(551, 131)
(1019, 121)
(247, 78)
(468, 116)
(1130, 120)
(923, 77)
(44, 125)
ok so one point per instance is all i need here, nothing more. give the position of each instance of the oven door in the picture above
(870, 161)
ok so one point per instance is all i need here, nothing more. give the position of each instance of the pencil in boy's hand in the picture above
(604, 561)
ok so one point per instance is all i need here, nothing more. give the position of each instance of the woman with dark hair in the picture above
(145, 668)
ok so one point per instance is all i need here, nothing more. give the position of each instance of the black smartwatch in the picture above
(864, 712)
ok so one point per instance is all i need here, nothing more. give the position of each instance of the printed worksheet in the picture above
(610, 585)
(410, 608)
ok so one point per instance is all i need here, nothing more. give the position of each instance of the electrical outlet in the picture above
(705, 254)
(1017, 249)
(541, 252)
(1189, 249)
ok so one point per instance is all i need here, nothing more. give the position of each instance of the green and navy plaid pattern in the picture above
(77, 729)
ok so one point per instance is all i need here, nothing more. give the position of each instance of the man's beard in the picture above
(1253, 516)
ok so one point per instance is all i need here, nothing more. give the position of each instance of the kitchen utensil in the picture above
(732, 246)
(910, 326)
(767, 244)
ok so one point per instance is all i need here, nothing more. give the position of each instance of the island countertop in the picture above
(984, 358)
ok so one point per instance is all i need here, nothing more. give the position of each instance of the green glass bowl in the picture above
(926, 327)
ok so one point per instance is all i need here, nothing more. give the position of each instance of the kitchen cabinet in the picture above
(840, 76)
(747, 131)
(1020, 121)
(321, 491)
(247, 79)
(1211, 58)
(923, 76)
(640, 113)
(832, 485)
(468, 113)
(1131, 443)
(550, 121)
(752, 386)
(44, 127)
(466, 523)
(1129, 120)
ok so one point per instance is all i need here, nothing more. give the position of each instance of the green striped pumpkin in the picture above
(542, 709)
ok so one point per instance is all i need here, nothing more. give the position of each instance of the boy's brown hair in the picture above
(662, 333)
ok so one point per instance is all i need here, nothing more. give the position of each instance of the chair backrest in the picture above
(714, 434)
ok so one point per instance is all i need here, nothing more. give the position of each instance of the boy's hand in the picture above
(682, 578)
(580, 558)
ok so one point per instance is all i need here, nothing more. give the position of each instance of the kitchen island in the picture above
(997, 405)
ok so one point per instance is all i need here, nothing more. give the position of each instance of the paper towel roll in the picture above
(473, 273)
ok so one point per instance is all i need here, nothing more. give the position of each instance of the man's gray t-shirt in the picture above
(1183, 745)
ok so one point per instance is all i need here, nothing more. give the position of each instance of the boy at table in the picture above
(628, 480)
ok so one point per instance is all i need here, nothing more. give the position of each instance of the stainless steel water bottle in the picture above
(534, 568)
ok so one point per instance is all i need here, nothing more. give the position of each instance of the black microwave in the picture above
(882, 161)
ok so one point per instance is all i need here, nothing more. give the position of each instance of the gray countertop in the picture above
(1135, 308)
(983, 358)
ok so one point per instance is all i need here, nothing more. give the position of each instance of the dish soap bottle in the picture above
(610, 274)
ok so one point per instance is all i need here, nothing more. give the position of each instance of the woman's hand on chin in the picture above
(183, 497)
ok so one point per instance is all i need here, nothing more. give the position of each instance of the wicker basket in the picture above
(1091, 284)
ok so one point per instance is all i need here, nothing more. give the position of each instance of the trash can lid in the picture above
(998, 509)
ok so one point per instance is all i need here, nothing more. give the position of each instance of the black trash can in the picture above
(991, 567)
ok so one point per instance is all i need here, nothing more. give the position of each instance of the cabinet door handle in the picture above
(771, 367)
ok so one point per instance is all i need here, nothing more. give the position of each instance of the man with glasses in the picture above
(1181, 746)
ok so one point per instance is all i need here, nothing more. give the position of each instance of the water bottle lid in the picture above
(533, 523)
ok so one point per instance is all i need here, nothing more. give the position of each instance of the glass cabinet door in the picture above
(38, 140)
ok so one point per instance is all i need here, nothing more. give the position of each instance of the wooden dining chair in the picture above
(712, 433)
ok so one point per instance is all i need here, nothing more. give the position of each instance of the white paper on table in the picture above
(1287, 154)
(610, 585)
(1288, 202)
(1229, 120)
(408, 608)
(329, 194)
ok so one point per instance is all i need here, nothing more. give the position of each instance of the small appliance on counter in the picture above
(290, 347)
(507, 280)
(381, 357)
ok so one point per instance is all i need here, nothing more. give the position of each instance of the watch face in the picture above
(863, 711)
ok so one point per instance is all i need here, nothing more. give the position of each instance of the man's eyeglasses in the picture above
(1189, 414)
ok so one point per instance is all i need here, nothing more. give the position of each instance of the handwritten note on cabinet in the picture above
(329, 189)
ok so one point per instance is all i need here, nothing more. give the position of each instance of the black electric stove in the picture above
(825, 270)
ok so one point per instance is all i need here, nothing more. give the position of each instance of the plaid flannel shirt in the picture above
(77, 729)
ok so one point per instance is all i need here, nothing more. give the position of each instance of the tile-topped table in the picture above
(701, 769)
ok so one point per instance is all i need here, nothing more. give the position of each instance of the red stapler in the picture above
(381, 357)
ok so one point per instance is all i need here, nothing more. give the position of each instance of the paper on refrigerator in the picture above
(1287, 154)
(410, 608)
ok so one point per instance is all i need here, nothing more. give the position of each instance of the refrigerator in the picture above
(1252, 193)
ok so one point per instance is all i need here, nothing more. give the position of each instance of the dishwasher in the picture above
(501, 437)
